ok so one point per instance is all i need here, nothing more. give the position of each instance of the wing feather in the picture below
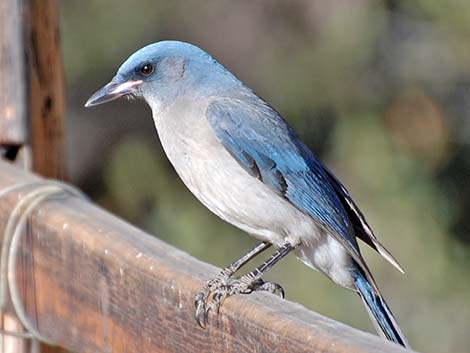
(256, 135)
(362, 229)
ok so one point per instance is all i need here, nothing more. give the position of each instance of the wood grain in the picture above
(101, 285)
(45, 86)
(44, 91)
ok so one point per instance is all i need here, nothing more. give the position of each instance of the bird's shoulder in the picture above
(247, 110)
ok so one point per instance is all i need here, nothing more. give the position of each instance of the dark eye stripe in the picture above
(146, 69)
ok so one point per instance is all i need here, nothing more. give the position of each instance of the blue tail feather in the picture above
(379, 311)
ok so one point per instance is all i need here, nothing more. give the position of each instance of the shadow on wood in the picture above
(97, 284)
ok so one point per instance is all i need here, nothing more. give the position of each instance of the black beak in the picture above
(115, 89)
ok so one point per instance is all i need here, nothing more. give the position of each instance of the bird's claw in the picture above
(201, 314)
(200, 300)
(214, 292)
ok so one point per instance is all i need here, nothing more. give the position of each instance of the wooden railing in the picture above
(91, 282)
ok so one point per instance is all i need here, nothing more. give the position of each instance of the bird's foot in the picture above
(214, 292)
(201, 297)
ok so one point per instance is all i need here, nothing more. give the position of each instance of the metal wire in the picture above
(37, 192)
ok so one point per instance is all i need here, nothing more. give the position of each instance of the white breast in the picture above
(223, 186)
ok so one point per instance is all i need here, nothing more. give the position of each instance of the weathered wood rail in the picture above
(93, 283)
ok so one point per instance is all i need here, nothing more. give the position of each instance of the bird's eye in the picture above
(147, 69)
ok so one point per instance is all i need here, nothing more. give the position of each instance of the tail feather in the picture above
(379, 312)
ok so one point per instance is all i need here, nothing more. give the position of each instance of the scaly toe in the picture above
(202, 297)
(217, 299)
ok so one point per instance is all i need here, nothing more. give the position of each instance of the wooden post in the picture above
(45, 86)
(32, 85)
(32, 90)
(45, 93)
(13, 118)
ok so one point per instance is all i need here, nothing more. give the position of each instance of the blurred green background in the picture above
(380, 90)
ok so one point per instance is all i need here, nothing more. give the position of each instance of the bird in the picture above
(240, 158)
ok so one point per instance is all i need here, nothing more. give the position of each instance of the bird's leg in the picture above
(222, 280)
(248, 283)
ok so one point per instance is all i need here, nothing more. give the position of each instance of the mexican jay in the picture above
(241, 159)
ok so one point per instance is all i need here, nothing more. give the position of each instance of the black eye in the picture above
(147, 69)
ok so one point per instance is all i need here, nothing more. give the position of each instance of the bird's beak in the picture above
(115, 89)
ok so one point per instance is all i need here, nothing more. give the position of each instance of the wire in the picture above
(26, 205)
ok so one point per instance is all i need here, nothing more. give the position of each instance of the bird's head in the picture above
(161, 71)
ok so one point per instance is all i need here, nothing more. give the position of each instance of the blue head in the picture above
(162, 71)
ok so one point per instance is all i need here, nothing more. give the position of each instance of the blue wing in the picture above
(267, 148)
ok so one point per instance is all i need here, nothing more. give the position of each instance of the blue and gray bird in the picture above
(241, 159)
